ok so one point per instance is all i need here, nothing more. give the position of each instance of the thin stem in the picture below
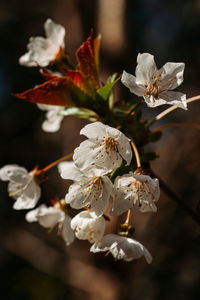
(53, 164)
(184, 125)
(175, 198)
(170, 109)
(128, 217)
(137, 157)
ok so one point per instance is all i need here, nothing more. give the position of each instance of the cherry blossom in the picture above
(88, 190)
(121, 248)
(155, 85)
(48, 217)
(42, 51)
(53, 118)
(22, 186)
(135, 189)
(104, 149)
(88, 228)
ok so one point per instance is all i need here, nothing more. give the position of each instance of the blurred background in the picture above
(35, 265)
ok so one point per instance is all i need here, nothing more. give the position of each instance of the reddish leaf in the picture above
(76, 77)
(58, 91)
(47, 73)
(88, 63)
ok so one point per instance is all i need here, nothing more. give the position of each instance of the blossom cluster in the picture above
(94, 160)
(108, 179)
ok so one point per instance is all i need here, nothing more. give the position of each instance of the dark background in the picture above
(35, 265)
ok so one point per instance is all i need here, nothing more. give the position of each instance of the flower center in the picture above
(97, 184)
(111, 144)
(137, 188)
(153, 89)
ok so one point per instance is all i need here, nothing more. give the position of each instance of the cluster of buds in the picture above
(107, 170)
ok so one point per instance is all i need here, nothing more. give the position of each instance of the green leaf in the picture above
(105, 91)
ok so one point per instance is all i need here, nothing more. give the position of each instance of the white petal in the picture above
(67, 233)
(50, 217)
(146, 69)
(174, 98)
(14, 173)
(43, 51)
(43, 107)
(106, 160)
(131, 82)
(78, 195)
(55, 32)
(28, 198)
(121, 248)
(27, 60)
(153, 102)
(52, 124)
(108, 242)
(88, 228)
(94, 192)
(68, 170)
(99, 206)
(86, 158)
(124, 195)
(124, 147)
(94, 130)
(46, 216)
(171, 75)
(148, 207)
(32, 215)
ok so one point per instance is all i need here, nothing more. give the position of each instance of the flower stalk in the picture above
(137, 157)
(55, 163)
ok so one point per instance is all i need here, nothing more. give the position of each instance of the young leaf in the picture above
(86, 76)
(105, 91)
(57, 91)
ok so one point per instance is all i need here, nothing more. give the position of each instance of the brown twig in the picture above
(170, 109)
(182, 125)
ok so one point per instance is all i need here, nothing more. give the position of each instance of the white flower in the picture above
(88, 228)
(22, 186)
(45, 216)
(42, 51)
(53, 117)
(51, 216)
(121, 248)
(135, 189)
(156, 85)
(88, 189)
(104, 149)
